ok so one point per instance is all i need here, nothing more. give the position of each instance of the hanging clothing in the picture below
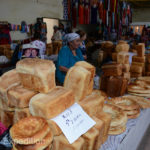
(66, 59)
(94, 14)
(81, 14)
(5, 34)
(87, 13)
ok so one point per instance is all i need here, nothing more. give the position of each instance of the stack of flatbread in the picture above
(130, 107)
(143, 102)
(119, 119)
(140, 87)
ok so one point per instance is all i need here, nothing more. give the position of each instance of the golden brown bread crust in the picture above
(100, 93)
(138, 59)
(132, 112)
(8, 80)
(143, 102)
(106, 118)
(123, 58)
(124, 103)
(61, 143)
(21, 113)
(138, 89)
(117, 114)
(29, 130)
(37, 74)
(91, 138)
(126, 68)
(41, 145)
(76, 77)
(19, 96)
(54, 127)
(122, 48)
(136, 69)
(100, 127)
(45, 105)
(117, 131)
(7, 117)
(133, 116)
(92, 104)
(112, 69)
(4, 106)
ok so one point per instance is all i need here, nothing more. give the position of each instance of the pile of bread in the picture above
(147, 66)
(30, 99)
(112, 80)
(121, 56)
(130, 104)
(140, 87)
(138, 62)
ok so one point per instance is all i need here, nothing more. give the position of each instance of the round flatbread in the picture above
(124, 103)
(133, 116)
(132, 112)
(117, 131)
(29, 130)
(143, 102)
(117, 115)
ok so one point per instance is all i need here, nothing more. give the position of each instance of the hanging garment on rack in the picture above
(94, 14)
(87, 13)
(100, 10)
(81, 14)
(5, 34)
(74, 14)
(65, 5)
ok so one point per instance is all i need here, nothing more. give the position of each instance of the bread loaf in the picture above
(37, 74)
(100, 127)
(90, 68)
(8, 80)
(20, 114)
(91, 138)
(52, 104)
(61, 143)
(125, 68)
(76, 77)
(4, 106)
(92, 104)
(127, 75)
(106, 118)
(123, 58)
(147, 67)
(122, 42)
(136, 69)
(114, 56)
(122, 48)
(7, 117)
(54, 127)
(30, 130)
(116, 86)
(138, 59)
(19, 97)
(135, 75)
(112, 69)
(140, 49)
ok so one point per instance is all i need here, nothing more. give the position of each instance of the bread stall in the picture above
(33, 104)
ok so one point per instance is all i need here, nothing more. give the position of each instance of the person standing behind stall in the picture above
(82, 44)
(56, 35)
(68, 56)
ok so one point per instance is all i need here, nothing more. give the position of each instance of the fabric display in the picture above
(4, 33)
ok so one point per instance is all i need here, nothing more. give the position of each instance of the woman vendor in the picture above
(68, 56)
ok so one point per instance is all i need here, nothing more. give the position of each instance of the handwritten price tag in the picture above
(74, 122)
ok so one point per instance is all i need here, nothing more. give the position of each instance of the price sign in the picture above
(74, 122)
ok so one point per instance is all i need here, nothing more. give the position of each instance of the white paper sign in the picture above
(74, 122)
